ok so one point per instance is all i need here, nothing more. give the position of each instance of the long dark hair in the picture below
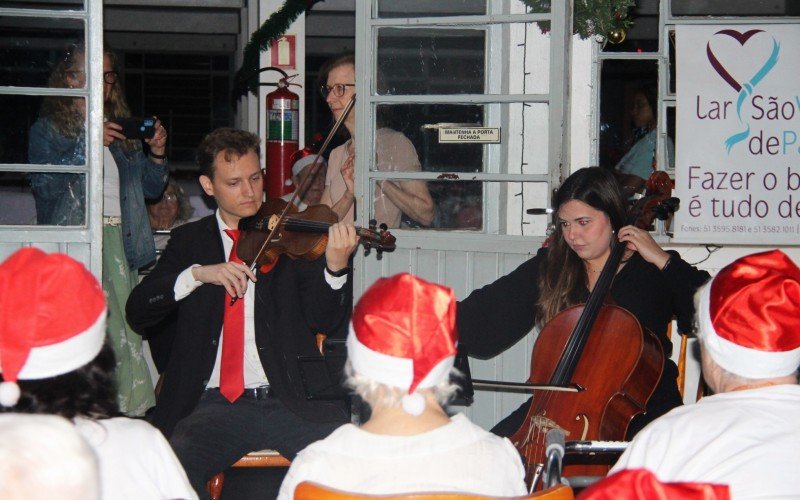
(88, 391)
(562, 274)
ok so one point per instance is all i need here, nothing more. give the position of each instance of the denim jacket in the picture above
(61, 198)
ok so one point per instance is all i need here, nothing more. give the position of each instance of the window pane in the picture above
(735, 8)
(459, 205)
(402, 126)
(626, 88)
(430, 61)
(420, 123)
(34, 47)
(24, 136)
(42, 198)
(463, 205)
(427, 8)
(45, 4)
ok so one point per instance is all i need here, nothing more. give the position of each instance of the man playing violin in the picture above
(233, 384)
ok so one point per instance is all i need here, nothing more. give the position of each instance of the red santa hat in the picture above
(52, 318)
(403, 334)
(303, 158)
(635, 484)
(748, 316)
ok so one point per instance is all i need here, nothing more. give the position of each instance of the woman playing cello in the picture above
(652, 284)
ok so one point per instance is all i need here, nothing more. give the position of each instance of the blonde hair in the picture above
(64, 112)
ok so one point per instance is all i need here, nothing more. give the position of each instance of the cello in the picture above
(580, 347)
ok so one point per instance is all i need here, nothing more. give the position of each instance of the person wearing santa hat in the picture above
(401, 349)
(302, 163)
(54, 360)
(747, 434)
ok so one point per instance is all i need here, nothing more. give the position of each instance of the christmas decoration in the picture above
(592, 17)
(616, 35)
(277, 24)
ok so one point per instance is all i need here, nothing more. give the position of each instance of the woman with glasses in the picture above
(393, 153)
(130, 175)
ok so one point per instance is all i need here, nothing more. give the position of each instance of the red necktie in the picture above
(231, 376)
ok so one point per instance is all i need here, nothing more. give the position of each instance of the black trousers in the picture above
(218, 433)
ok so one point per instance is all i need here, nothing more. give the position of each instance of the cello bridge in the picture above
(538, 426)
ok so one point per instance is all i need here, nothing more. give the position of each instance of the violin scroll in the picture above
(377, 237)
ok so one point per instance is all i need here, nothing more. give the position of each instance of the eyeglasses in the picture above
(110, 77)
(170, 198)
(337, 89)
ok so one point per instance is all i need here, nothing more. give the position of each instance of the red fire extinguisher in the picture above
(283, 123)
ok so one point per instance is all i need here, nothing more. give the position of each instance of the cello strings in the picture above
(536, 431)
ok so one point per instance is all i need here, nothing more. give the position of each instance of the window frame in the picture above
(82, 242)
(666, 23)
(496, 183)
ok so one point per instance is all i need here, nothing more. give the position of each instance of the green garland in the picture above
(590, 17)
(247, 77)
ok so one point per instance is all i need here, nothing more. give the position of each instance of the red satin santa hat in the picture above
(303, 158)
(748, 316)
(52, 318)
(641, 484)
(403, 334)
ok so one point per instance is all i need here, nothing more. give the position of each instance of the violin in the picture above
(601, 349)
(300, 235)
(258, 245)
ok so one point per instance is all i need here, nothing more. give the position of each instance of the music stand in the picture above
(322, 376)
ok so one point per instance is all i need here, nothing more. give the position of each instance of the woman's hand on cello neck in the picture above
(640, 240)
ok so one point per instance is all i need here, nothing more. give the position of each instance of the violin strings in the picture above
(307, 224)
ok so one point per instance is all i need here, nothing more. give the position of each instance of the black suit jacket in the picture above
(292, 303)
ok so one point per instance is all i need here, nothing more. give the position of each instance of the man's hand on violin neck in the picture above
(342, 242)
(232, 275)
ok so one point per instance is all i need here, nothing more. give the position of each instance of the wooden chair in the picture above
(312, 491)
(263, 458)
(682, 353)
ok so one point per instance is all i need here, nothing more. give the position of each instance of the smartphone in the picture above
(137, 128)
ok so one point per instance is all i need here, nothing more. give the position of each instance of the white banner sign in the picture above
(737, 169)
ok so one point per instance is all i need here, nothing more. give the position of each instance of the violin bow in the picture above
(304, 186)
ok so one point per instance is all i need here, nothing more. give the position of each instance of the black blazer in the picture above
(293, 302)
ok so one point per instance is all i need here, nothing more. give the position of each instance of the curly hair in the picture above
(562, 274)
(64, 112)
(231, 141)
(88, 391)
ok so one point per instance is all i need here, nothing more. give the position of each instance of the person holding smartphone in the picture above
(130, 175)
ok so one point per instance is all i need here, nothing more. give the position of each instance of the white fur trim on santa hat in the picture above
(305, 161)
(739, 360)
(389, 370)
(63, 357)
